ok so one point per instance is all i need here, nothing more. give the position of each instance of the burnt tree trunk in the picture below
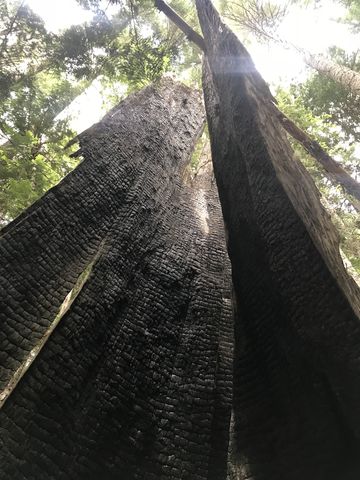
(296, 407)
(135, 381)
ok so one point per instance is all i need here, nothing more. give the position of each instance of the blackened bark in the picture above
(135, 381)
(297, 337)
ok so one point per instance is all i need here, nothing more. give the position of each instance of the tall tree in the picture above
(128, 262)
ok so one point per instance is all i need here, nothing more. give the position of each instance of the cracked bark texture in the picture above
(136, 380)
(296, 412)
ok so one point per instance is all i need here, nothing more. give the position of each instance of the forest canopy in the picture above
(63, 66)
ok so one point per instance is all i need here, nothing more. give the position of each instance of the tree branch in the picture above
(179, 22)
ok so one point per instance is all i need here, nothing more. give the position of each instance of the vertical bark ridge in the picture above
(64, 307)
(297, 336)
(134, 380)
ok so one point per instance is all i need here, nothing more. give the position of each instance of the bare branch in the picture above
(174, 17)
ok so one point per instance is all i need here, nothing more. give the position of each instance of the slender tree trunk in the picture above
(297, 337)
(346, 77)
(135, 380)
(250, 19)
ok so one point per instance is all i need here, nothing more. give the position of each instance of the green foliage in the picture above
(139, 61)
(24, 44)
(31, 155)
(26, 48)
(28, 168)
(41, 74)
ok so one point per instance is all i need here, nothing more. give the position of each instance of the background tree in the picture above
(322, 95)
(333, 196)
(262, 17)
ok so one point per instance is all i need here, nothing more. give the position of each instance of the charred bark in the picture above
(135, 381)
(297, 336)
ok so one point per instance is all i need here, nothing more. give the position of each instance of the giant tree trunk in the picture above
(297, 337)
(135, 381)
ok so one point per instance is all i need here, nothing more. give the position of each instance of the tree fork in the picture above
(335, 172)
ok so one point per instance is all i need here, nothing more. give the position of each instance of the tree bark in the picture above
(297, 334)
(136, 379)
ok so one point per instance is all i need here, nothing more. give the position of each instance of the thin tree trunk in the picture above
(250, 18)
(297, 336)
(346, 77)
(333, 170)
(135, 380)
